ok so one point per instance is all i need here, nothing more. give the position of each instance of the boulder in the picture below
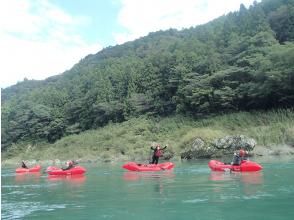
(232, 143)
(198, 149)
(168, 154)
(219, 147)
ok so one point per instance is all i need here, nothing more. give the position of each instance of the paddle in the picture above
(75, 162)
(150, 157)
(151, 154)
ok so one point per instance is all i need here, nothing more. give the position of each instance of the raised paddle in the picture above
(150, 156)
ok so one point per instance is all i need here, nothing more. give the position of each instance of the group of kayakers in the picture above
(239, 155)
(157, 152)
(69, 164)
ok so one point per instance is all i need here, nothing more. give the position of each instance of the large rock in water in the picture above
(218, 148)
(232, 143)
(198, 149)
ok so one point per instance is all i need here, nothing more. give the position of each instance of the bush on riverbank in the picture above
(131, 140)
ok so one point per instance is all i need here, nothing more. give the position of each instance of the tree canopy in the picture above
(241, 61)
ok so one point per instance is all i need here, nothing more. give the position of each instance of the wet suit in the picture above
(236, 160)
(238, 157)
(156, 154)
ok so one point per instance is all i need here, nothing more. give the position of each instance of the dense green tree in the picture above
(282, 22)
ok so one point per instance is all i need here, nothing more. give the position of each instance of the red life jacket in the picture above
(158, 153)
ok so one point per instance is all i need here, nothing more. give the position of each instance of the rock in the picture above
(222, 146)
(198, 149)
(232, 143)
(168, 154)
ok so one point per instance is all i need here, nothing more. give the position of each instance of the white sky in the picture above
(39, 39)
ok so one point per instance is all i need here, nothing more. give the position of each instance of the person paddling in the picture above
(157, 152)
(69, 164)
(239, 156)
(23, 165)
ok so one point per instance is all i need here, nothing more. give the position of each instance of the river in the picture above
(190, 191)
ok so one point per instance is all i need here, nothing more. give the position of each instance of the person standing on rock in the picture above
(157, 152)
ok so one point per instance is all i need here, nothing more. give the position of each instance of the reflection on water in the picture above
(252, 178)
(157, 179)
(27, 177)
(238, 185)
(248, 178)
(76, 180)
(134, 176)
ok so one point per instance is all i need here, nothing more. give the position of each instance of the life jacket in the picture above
(158, 153)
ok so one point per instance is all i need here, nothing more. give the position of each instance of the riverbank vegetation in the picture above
(131, 140)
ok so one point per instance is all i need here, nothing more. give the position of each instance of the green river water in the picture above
(190, 191)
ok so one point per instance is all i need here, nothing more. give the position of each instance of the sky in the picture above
(42, 38)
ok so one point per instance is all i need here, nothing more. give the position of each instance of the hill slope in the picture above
(241, 61)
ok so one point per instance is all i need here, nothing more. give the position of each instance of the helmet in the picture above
(241, 153)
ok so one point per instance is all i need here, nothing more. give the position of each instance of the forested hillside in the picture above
(238, 62)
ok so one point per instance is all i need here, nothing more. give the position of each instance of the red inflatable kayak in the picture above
(36, 168)
(58, 171)
(245, 166)
(132, 166)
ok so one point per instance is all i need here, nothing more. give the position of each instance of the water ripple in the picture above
(195, 200)
(20, 210)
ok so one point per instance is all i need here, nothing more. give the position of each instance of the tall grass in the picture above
(131, 140)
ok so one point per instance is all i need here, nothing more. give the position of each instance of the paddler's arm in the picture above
(164, 147)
